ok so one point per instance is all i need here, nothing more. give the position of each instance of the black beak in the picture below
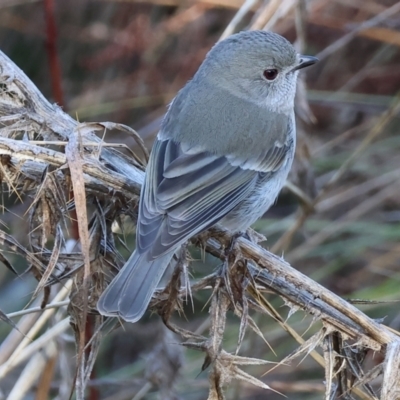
(305, 61)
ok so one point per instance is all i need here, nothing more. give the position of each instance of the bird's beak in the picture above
(305, 61)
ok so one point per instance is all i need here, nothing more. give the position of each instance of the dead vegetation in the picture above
(74, 191)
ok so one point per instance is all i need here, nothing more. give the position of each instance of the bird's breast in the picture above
(260, 199)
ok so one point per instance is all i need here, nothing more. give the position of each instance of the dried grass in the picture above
(74, 184)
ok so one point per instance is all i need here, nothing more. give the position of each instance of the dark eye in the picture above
(270, 74)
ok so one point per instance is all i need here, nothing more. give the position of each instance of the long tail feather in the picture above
(129, 294)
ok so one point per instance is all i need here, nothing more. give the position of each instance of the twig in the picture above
(58, 304)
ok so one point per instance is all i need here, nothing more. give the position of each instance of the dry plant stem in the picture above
(391, 376)
(283, 242)
(12, 360)
(367, 205)
(30, 317)
(283, 323)
(358, 191)
(38, 309)
(12, 341)
(235, 4)
(95, 175)
(265, 14)
(377, 129)
(384, 261)
(22, 103)
(143, 391)
(73, 151)
(243, 10)
(305, 293)
(31, 372)
(337, 140)
(284, 9)
(300, 16)
(48, 373)
(364, 26)
(24, 112)
(35, 346)
(266, 306)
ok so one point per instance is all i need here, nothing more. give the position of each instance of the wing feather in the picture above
(186, 192)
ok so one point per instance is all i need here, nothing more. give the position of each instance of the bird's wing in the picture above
(187, 191)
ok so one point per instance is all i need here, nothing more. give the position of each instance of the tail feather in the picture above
(129, 294)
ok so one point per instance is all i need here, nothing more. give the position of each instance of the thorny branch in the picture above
(111, 182)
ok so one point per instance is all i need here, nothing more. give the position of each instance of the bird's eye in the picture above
(270, 74)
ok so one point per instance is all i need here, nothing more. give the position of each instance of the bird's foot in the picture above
(255, 237)
(251, 235)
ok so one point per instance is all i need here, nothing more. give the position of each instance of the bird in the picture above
(222, 155)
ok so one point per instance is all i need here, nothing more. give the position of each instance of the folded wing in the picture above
(187, 191)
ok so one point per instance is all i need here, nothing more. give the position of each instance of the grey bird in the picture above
(222, 155)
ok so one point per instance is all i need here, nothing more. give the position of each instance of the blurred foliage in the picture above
(123, 61)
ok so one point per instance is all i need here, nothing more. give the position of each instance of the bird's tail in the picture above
(129, 294)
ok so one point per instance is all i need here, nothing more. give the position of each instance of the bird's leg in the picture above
(231, 272)
(254, 236)
(183, 262)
